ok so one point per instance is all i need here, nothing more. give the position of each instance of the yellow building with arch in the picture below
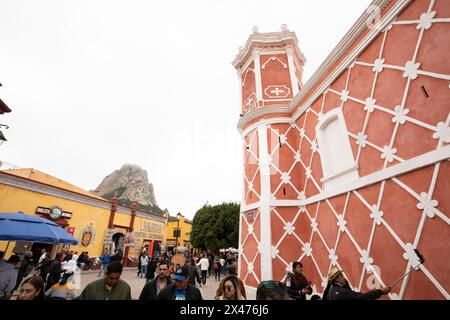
(95, 222)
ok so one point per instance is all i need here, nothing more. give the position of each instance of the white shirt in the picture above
(144, 261)
(69, 266)
(42, 257)
(204, 264)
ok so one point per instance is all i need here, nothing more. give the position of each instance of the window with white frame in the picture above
(336, 154)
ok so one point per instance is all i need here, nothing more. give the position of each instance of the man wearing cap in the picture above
(339, 289)
(181, 290)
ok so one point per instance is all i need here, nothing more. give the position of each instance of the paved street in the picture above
(136, 284)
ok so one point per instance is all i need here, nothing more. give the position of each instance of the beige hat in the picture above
(334, 272)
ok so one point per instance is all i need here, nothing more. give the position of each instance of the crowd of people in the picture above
(165, 280)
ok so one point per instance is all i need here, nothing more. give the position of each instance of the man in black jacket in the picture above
(297, 284)
(151, 268)
(181, 290)
(340, 289)
(55, 271)
(193, 273)
(155, 286)
(117, 257)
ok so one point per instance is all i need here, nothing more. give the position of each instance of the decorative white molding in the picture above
(245, 75)
(268, 40)
(258, 83)
(250, 102)
(347, 170)
(265, 221)
(277, 91)
(351, 168)
(240, 102)
(412, 164)
(349, 39)
(253, 206)
(292, 75)
(265, 121)
(273, 59)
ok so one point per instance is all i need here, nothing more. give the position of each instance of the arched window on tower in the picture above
(338, 164)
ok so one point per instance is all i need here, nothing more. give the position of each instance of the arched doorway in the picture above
(118, 240)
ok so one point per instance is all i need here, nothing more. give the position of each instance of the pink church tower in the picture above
(350, 169)
(270, 69)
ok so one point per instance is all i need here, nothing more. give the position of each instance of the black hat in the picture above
(181, 273)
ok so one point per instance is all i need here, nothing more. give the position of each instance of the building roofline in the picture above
(268, 39)
(102, 203)
(349, 39)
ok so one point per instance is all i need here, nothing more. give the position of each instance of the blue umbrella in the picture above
(25, 227)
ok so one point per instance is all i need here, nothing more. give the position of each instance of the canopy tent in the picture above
(25, 227)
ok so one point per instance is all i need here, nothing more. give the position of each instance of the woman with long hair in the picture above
(231, 288)
(32, 289)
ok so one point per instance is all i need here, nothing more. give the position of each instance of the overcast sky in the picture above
(96, 84)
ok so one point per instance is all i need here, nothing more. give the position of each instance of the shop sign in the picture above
(147, 226)
(54, 212)
(147, 230)
(171, 243)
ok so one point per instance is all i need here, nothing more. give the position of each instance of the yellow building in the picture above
(95, 222)
(185, 227)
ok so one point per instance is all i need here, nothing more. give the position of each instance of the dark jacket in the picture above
(168, 293)
(151, 268)
(193, 274)
(139, 263)
(117, 257)
(55, 268)
(54, 274)
(338, 292)
(297, 284)
(44, 268)
(149, 290)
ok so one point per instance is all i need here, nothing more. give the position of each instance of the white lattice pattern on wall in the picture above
(251, 158)
(399, 116)
(248, 256)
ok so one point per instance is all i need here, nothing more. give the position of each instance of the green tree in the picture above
(216, 227)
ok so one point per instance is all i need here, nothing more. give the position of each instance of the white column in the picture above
(240, 104)
(242, 202)
(266, 230)
(258, 83)
(291, 64)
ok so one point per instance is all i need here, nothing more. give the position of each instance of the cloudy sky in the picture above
(95, 84)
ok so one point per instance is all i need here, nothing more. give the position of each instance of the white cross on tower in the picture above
(277, 91)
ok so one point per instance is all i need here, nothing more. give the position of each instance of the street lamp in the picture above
(2, 137)
(178, 230)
